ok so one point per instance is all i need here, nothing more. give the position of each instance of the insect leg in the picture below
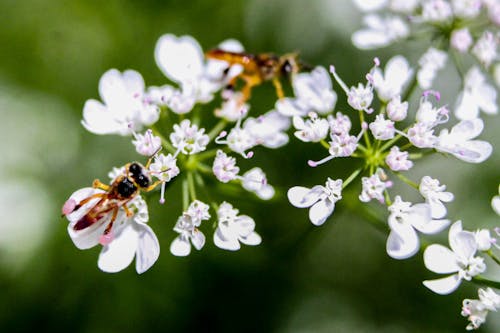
(128, 211)
(278, 87)
(153, 186)
(98, 184)
(113, 218)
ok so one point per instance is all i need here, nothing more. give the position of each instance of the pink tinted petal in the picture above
(77, 197)
(148, 249)
(443, 286)
(68, 207)
(440, 259)
(120, 252)
(320, 211)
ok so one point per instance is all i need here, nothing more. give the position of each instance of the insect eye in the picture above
(126, 188)
(135, 169)
(142, 180)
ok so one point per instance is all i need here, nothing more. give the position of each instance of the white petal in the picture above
(98, 120)
(320, 211)
(475, 151)
(224, 243)
(88, 237)
(495, 203)
(486, 99)
(438, 209)
(198, 239)
(454, 230)
(397, 72)
(443, 286)
(148, 249)
(467, 107)
(252, 239)
(120, 252)
(370, 39)
(112, 88)
(133, 82)
(402, 242)
(302, 197)
(370, 5)
(467, 129)
(244, 226)
(180, 247)
(440, 259)
(180, 58)
(464, 244)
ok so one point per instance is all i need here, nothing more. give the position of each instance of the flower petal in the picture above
(443, 286)
(464, 244)
(467, 129)
(303, 197)
(120, 252)
(148, 249)
(198, 239)
(475, 151)
(180, 58)
(252, 239)
(98, 120)
(180, 247)
(440, 259)
(403, 243)
(230, 243)
(320, 211)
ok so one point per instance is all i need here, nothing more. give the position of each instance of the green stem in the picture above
(365, 133)
(191, 187)
(217, 129)
(490, 283)
(351, 178)
(390, 143)
(406, 180)
(204, 168)
(185, 194)
(206, 154)
(493, 256)
(325, 144)
(411, 88)
(164, 141)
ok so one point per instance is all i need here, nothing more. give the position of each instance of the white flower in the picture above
(435, 195)
(404, 6)
(496, 74)
(404, 220)
(164, 167)
(430, 63)
(181, 59)
(466, 8)
(380, 31)
(459, 141)
(224, 167)
(186, 226)
(477, 95)
(429, 115)
(398, 160)
(374, 187)
(147, 144)
(320, 199)
(128, 236)
(476, 310)
(361, 97)
(233, 229)
(381, 128)
(232, 108)
(341, 124)
(397, 110)
(485, 48)
(396, 74)
(188, 139)
(493, 11)
(370, 5)
(239, 140)
(495, 202)
(314, 91)
(461, 40)
(268, 130)
(313, 129)
(176, 100)
(342, 145)
(254, 180)
(436, 11)
(460, 260)
(131, 238)
(124, 105)
(484, 240)
(198, 211)
(421, 136)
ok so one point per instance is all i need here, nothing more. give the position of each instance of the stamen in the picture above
(434, 93)
(220, 136)
(314, 164)
(162, 193)
(339, 80)
(364, 126)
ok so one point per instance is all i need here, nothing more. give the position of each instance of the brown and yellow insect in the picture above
(258, 68)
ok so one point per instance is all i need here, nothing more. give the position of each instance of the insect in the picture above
(258, 68)
(122, 190)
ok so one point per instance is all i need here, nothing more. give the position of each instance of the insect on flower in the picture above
(258, 68)
(125, 187)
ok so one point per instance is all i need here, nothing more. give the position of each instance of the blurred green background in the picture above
(335, 278)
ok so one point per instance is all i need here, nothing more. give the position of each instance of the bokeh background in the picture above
(335, 278)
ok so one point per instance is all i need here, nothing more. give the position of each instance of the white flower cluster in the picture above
(384, 160)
